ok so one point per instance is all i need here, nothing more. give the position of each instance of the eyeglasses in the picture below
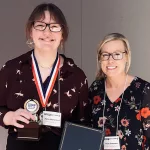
(116, 55)
(41, 26)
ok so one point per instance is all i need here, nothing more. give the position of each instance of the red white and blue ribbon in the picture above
(44, 94)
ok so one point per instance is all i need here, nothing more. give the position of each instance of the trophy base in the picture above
(30, 132)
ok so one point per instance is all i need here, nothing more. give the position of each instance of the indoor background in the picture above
(89, 21)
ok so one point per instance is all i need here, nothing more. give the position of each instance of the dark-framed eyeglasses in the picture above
(41, 26)
(116, 55)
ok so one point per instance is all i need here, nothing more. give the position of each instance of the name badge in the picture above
(51, 118)
(111, 142)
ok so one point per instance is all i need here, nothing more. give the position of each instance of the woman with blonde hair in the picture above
(120, 102)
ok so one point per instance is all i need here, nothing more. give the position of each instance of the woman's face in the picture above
(113, 65)
(46, 40)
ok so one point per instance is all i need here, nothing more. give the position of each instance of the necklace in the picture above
(119, 105)
(43, 67)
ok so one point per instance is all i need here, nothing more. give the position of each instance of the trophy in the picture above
(32, 130)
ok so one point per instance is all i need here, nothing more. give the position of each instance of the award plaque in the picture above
(32, 130)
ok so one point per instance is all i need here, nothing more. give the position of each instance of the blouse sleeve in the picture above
(145, 113)
(3, 92)
(82, 110)
(90, 98)
(90, 93)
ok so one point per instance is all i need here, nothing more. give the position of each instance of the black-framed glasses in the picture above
(41, 26)
(116, 55)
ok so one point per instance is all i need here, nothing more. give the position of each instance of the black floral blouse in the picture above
(134, 116)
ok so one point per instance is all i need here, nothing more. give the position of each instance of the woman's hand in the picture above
(12, 118)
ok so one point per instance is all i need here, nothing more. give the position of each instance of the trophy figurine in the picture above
(32, 130)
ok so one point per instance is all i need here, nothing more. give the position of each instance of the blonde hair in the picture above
(112, 37)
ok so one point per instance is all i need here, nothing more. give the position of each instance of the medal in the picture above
(44, 94)
(32, 106)
(46, 118)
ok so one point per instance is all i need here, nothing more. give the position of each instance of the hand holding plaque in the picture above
(32, 130)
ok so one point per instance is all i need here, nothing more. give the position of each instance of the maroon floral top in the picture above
(134, 116)
(17, 86)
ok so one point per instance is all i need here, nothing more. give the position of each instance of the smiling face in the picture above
(113, 67)
(46, 40)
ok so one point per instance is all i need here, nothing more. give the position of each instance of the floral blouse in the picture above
(134, 115)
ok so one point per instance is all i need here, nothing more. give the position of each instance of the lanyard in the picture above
(119, 106)
(59, 91)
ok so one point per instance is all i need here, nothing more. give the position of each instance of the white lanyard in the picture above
(59, 90)
(119, 107)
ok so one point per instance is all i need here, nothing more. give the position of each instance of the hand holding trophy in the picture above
(32, 130)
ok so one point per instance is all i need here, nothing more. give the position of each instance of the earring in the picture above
(61, 45)
(30, 43)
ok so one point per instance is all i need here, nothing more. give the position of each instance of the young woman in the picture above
(42, 83)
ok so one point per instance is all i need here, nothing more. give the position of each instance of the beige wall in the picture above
(89, 21)
(130, 17)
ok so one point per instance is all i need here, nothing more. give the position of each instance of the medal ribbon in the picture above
(44, 94)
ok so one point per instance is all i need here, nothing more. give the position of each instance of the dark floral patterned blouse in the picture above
(134, 116)
(17, 86)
